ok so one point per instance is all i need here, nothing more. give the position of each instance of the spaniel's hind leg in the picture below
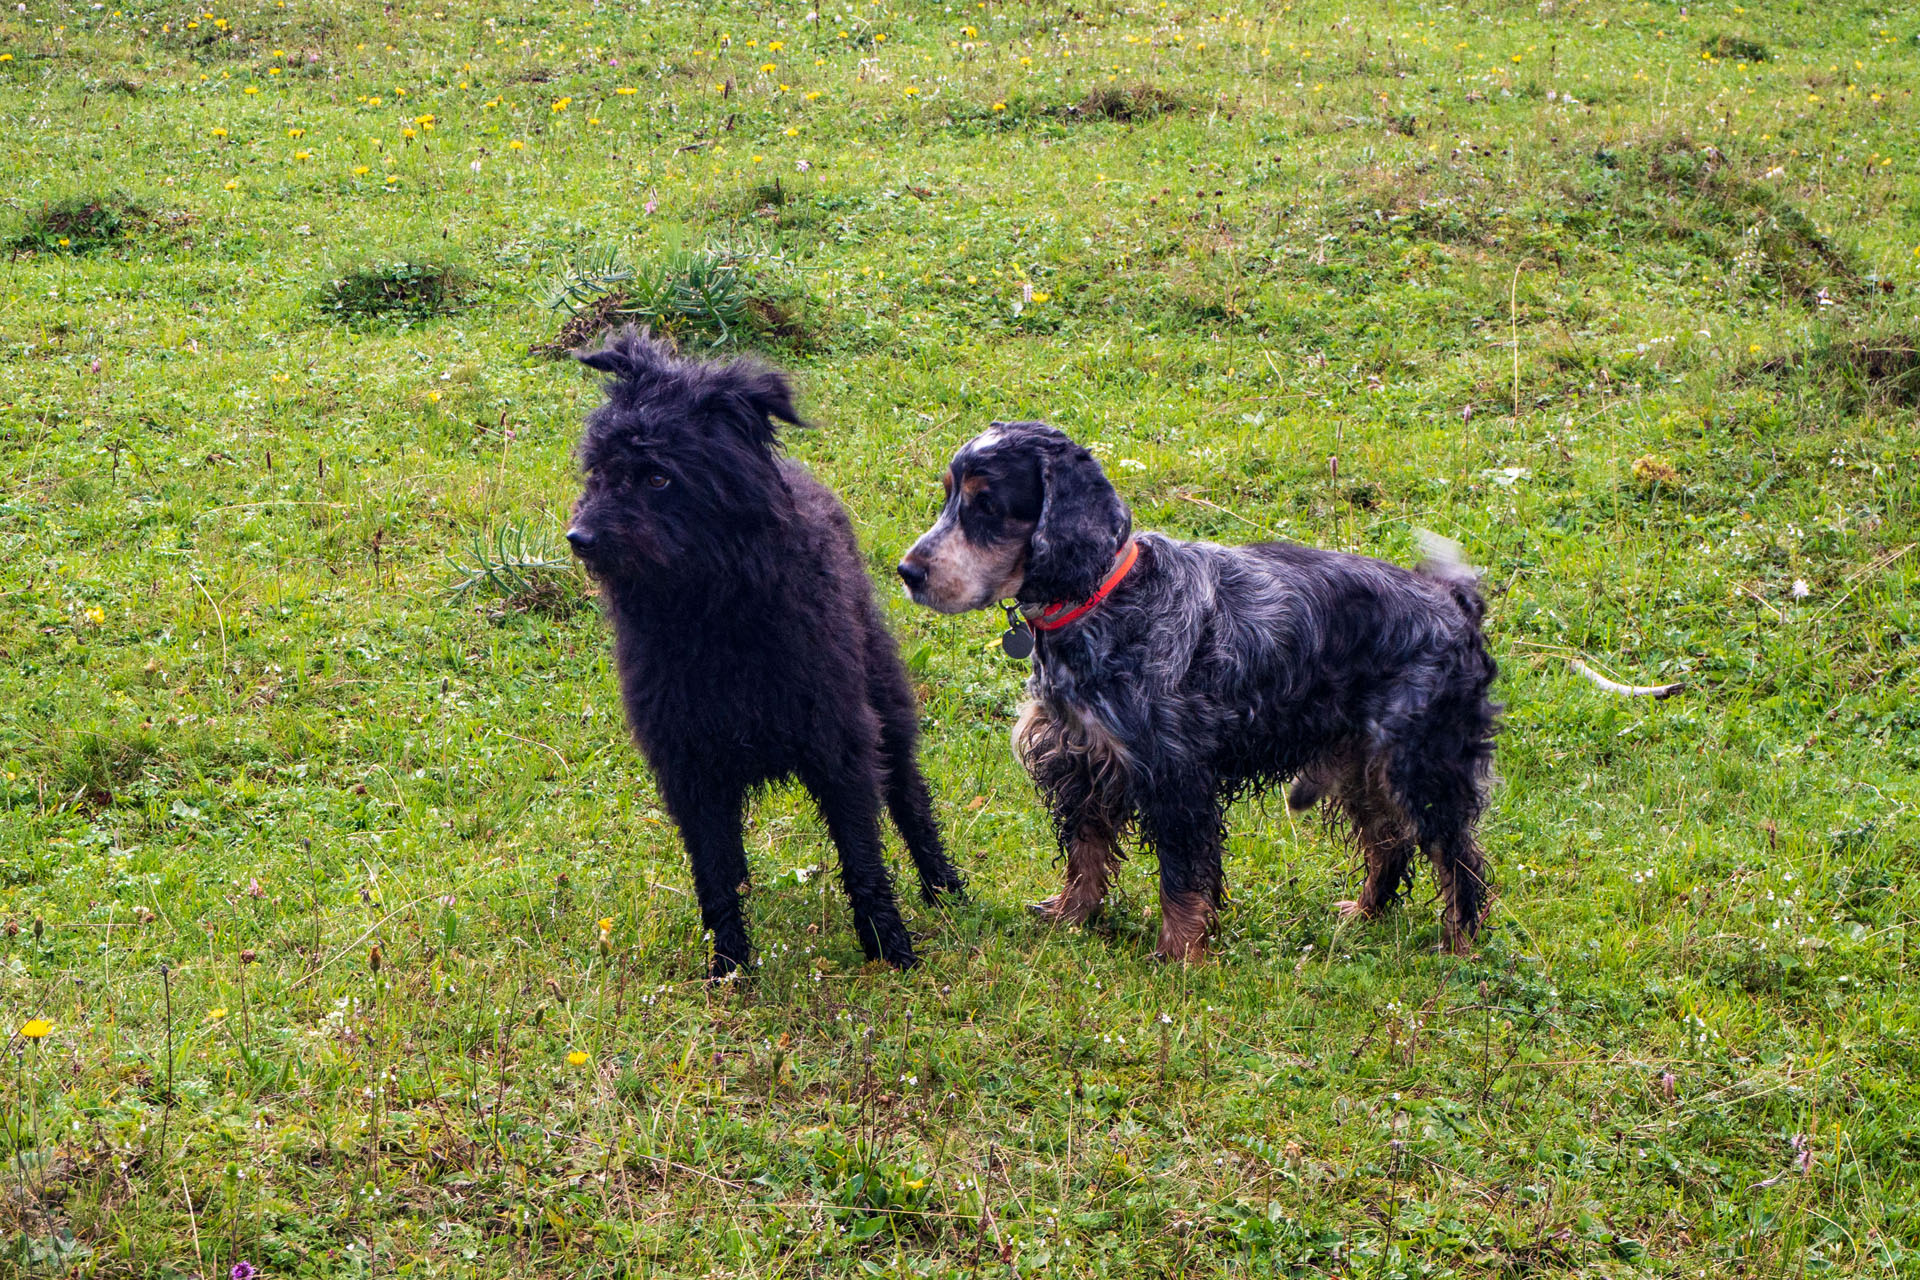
(1445, 794)
(1386, 841)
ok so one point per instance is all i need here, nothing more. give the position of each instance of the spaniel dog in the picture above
(1171, 677)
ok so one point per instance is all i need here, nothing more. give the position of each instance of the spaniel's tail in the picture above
(1441, 560)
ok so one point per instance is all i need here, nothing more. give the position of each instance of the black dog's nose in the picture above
(913, 573)
(580, 539)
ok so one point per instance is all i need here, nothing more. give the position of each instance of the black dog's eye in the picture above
(657, 480)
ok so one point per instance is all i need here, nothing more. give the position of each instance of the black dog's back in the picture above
(749, 644)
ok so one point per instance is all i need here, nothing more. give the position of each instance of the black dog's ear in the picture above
(751, 395)
(627, 354)
(1082, 524)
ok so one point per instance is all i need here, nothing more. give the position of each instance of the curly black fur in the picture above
(749, 644)
(1212, 671)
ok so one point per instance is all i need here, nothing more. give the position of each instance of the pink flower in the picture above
(650, 206)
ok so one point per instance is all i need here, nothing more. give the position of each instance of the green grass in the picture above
(1633, 321)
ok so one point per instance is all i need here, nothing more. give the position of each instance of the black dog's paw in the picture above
(891, 943)
(724, 967)
(952, 888)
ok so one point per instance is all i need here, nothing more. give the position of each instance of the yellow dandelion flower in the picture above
(252, 88)
(766, 68)
(408, 133)
(880, 38)
(214, 1015)
(1026, 62)
(96, 615)
(303, 155)
(433, 397)
(6, 57)
(233, 184)
(911, 90)
(561, 104)
(577, 1059)
(810, 95)
(38, 1029)
(999, 106)
(516, 145)
(606, 923)
(792, 132)
(625, 92)
(775, 46)
(1042, 297)
(218, 133)
(360, 169)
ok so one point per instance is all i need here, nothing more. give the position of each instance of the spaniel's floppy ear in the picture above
(1082, 524)
(628, 354)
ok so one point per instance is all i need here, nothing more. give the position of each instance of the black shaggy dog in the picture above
(748, 641)
(1170, 677)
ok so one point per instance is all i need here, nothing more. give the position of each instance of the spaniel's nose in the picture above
(913, 573)
(579, 539)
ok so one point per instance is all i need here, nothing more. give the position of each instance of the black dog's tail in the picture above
(1442, 561)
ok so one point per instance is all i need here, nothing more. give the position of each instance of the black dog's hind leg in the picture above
(709, 817)
(851, 808)
(1180, 820)
(908, 801)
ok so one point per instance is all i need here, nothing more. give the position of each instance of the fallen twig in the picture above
(1626, 690)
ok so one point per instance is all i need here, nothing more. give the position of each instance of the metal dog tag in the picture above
(1017, 640)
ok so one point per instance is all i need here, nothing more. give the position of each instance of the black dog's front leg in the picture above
(709, 817)
(852, 812)
(1180, 820)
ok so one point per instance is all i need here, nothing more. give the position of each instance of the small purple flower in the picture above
(651, 205)
(243, 1271)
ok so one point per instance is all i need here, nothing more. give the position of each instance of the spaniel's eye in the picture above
(986, 504)
(656, 480)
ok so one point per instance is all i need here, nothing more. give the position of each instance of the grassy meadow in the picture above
(344, 935)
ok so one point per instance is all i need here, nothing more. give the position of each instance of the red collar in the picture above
(1059, 614)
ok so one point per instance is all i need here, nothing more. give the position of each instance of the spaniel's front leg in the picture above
(1180, 820)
